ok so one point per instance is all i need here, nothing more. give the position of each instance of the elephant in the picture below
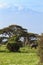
(34, 46)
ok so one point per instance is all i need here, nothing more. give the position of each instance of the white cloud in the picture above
(20, 7)
(17, 7)
(4, 5)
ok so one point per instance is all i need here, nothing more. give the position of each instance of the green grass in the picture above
(27, 56)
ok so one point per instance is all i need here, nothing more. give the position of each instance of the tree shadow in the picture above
(5, 51)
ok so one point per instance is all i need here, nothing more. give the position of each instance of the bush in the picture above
(14, 44)
(14, 47)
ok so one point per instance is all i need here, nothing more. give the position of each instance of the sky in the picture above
(26, 13)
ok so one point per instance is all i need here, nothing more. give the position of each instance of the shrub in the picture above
(14, 47)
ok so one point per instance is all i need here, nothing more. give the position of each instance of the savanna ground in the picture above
(27, 56)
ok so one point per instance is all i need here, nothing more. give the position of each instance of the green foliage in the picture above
(12, 30)
(14, 44)
(14, 47)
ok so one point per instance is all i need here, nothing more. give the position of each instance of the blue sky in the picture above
(27, 13)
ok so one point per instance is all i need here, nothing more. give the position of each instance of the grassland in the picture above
(27, 56)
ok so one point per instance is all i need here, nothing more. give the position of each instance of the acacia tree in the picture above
(12, 30)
